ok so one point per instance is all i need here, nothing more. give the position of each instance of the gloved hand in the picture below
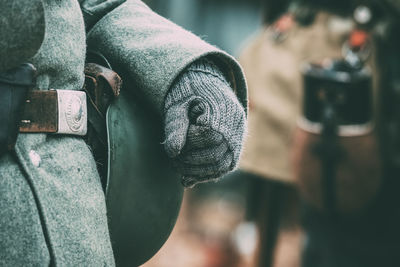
(204, 124)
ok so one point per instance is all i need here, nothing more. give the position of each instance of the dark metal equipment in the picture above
(337, 98)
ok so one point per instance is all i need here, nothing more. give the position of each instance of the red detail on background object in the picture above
(358, 38)
(284, 23)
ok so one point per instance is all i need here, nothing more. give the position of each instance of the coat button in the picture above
(35, 158)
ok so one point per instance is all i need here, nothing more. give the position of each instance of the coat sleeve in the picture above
(150, 50)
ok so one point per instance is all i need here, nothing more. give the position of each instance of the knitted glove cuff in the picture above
(193, 82)
(211, 103)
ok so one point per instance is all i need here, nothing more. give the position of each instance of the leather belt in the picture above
(66, 111)
(55, 111)
(71, 112)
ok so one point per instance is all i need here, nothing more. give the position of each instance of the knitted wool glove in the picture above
(204, 124)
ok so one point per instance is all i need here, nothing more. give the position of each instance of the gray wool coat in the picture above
(52, 207)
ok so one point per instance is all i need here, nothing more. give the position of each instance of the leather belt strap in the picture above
(66, 111)
(55, 111)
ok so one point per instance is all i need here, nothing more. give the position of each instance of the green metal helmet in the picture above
(143, 192)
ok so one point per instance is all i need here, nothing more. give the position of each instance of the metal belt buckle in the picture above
(72, 112)
(55, 111)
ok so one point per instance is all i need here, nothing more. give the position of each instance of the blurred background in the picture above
(225, 23)
(268, 213)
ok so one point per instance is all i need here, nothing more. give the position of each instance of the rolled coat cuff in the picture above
(151, 51)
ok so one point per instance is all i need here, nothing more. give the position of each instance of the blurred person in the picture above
(271, 62)
(353, 220)
(53, 208)
(312, 31)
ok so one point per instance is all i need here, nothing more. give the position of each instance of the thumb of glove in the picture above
(176, 126)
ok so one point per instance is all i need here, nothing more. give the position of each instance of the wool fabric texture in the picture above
(204, 124)
(57, 213)
(21, 30)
